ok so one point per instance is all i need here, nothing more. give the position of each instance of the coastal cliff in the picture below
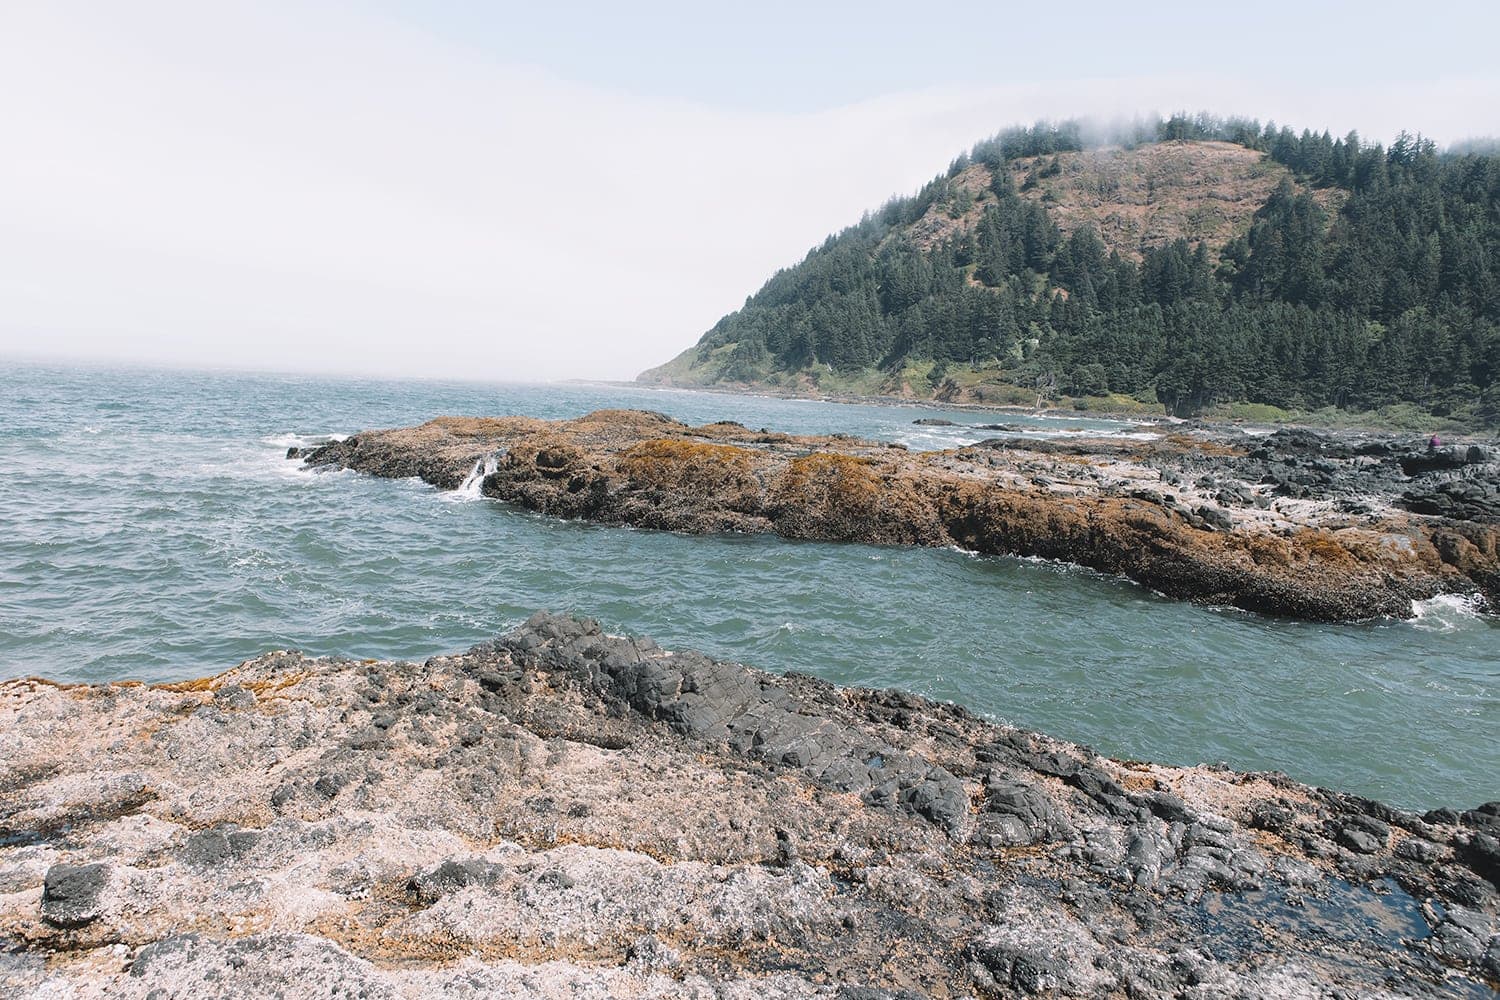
(562, 812)
(1294, 524)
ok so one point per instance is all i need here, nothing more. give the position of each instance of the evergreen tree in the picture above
(1392, 295)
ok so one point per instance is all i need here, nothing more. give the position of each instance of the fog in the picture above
(318, 188)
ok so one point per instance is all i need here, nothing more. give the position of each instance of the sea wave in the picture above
(1447, 613)
(964, 435)
(270, 463)
(294, 440)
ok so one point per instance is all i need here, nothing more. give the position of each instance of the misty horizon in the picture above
(382, 190)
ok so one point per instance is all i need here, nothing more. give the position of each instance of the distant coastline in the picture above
(1229, 415)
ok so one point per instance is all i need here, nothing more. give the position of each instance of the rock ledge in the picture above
(1297, 524)
(561, 812)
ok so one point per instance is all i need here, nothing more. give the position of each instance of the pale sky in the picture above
(496, 191)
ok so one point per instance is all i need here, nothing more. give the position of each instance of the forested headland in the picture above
(1185, 264)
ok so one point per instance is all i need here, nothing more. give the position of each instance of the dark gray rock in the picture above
(1417, 463)
(1143, 856)
(1424, 852)
(938, 797)
(874, 993)
(1011, 968)
(1168, 807)
(329, 785)
(1485, 817)
(1303, 441)
(648, 954)
(224, 845)
(1272, 816)
(161, 951)
(1235, 495)
(450, 876)
(234, 696)
(1482, 853)
(1363, 834)
(728, 704)
(1458, 942)
(1463, 500)
(1214, 518)
(1359, 840)
(1017, 814)
(1037, 948)
(282, 794)
(70, 894)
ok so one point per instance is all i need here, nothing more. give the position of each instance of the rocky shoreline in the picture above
(1293, 523)
(566, 813)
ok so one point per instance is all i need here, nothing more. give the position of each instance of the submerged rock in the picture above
(566, 812)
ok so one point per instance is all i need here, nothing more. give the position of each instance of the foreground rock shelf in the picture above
(1295, 524)
(565, 813)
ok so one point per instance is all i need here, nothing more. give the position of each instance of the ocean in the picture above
(152, 529)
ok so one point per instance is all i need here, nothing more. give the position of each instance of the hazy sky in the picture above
(491, 190)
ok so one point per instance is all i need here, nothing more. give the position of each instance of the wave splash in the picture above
(1447, 613)
(293, 440)
(469, 488)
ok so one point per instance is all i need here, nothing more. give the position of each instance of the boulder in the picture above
(71, 894)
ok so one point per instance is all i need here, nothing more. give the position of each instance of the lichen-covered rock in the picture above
(1297, 524)
(562, 812)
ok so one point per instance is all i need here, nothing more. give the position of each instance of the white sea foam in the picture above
(929, 439)
(269, 462)
(967, 553)
(469, 488)
(293, 440)
(262, 466)
(1446, 613)
(1071, 432)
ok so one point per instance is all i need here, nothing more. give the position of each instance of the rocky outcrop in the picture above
(562, 812)
(1297, 524)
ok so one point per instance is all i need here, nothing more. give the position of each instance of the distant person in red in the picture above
(1434, 444)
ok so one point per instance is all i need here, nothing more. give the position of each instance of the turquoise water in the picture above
(150, 528)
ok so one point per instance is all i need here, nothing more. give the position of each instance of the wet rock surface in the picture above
(561, 812)
(1294, 523)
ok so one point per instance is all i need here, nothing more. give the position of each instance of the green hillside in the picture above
(1194, 263)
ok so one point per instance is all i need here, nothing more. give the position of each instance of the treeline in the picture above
(1391, 298)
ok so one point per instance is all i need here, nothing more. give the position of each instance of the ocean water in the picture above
(150, 528)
